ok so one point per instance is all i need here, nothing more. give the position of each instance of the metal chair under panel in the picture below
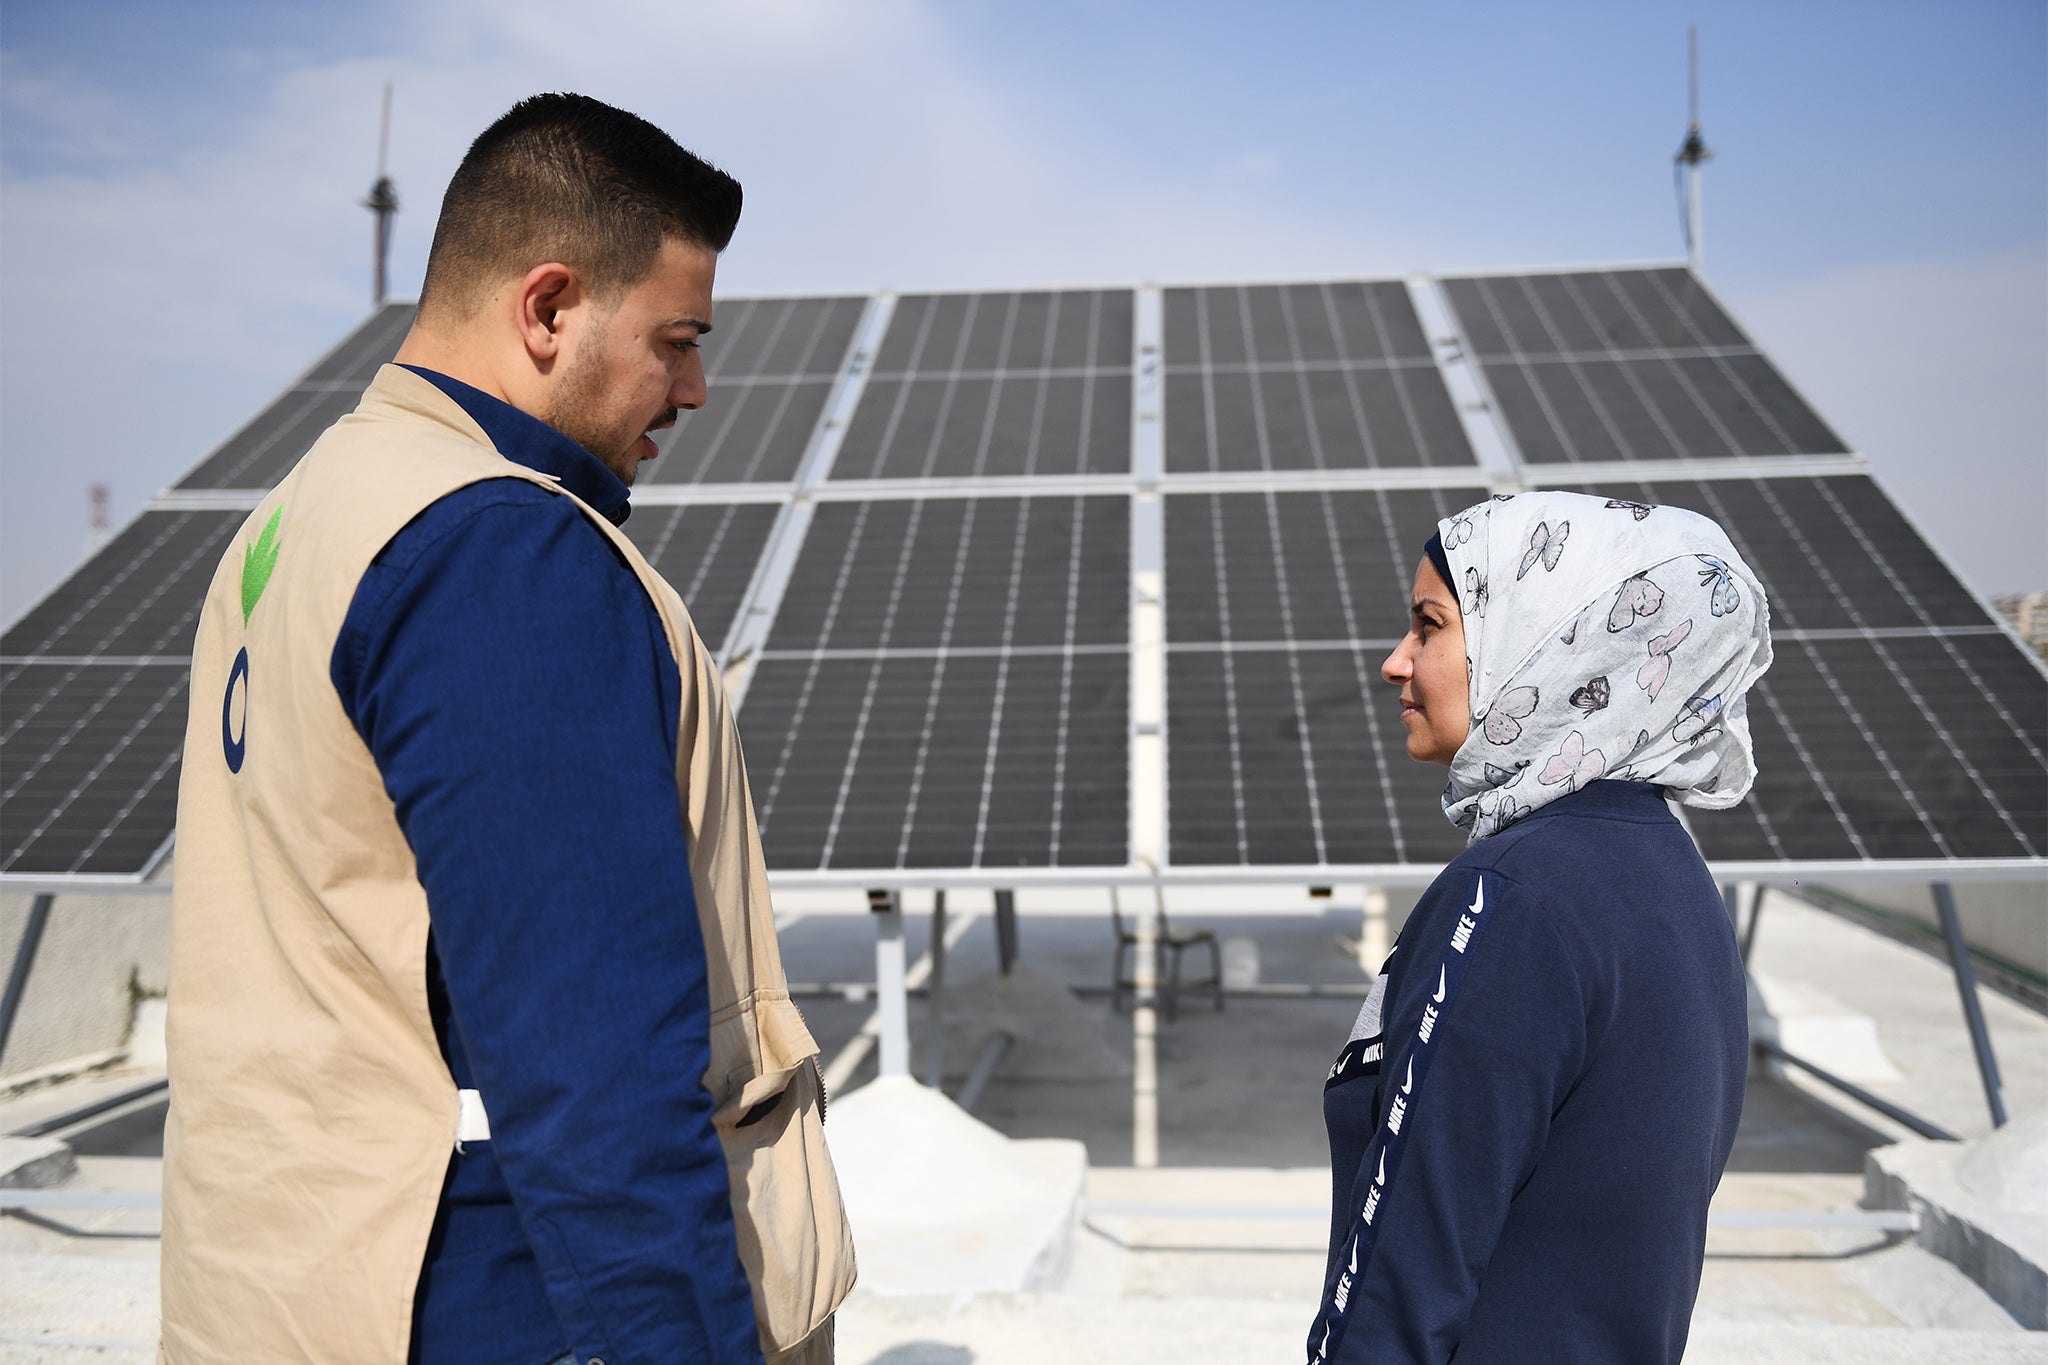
(1171, 946)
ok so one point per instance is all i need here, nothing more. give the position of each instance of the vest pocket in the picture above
(792, 1232)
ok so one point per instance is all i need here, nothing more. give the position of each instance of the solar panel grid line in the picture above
(1391, 538)
(1657, 415)
(867, 704)
(788, 391)
(1060, 736)
(931, 705)
(1087, 415)
(1383, 335)
(142, 564)
(728, 418)
(1707, 292)
(1230, 707)
(376, 337)
(1328, 365)
(1465, 361)
(1314, 646)
(1739, 535)
(817, 660)
(1537, 390)
(27, 774)
(995, 715)
(1931, 714)
(1940, 634)
(947, 652)
(1786, 443)
(170, 761)
(1308, 761)
(988, 417)
(901, 398)
(1601, 410)
(849, 388)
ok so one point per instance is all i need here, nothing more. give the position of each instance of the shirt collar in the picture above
(522, 437)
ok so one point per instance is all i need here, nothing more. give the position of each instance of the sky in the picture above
(181, 235)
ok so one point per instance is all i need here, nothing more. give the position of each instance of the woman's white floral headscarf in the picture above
(1606, 639)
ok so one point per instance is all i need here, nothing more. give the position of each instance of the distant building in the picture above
(2028, 612)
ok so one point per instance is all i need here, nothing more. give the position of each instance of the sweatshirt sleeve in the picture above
(516, 690)
(1486, 1036)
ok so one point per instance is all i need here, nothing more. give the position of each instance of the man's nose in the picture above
(689, 391)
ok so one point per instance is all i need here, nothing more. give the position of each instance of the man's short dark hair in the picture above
(568, 178)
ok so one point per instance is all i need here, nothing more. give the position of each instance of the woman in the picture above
(1537, 1100)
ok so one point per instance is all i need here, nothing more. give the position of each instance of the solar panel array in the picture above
(918, 533)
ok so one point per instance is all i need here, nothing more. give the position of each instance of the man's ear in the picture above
(547, 292)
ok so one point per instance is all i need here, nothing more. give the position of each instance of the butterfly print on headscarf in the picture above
(1700, 720)
(1726, 596)
(1573, 764)
(1657, 668)
(1503, 720)
(1638, 509)
(1594, 696)
(1460, 532)
(1544, 544)
(1475, 593)
(1497, 776)
(1638, 597)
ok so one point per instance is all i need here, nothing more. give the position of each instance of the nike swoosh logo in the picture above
(1407, 1084)
(1478, 897)
(1439, 996)
(1381, 1178)
(1354, 1255)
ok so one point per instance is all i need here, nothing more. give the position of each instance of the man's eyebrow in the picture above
(701, 326)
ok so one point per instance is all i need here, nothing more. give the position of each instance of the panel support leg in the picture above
(935, 1019)
(1145, 1039)
(1733, 895)
(1006, 930)
(1372, 934)
(24, 960)
(891, 993)
(1973, 1009)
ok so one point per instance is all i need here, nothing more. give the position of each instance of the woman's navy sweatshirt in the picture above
(1538, 1098)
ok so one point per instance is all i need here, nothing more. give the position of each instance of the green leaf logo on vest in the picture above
(257, 562)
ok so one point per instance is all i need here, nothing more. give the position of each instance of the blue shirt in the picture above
(1525, 1143)
(512, 681)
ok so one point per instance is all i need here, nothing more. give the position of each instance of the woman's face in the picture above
(1430, 669)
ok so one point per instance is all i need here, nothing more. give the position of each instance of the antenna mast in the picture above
(383, 200)
(1692, 152)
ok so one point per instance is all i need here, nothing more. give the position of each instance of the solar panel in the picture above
(708, 553)
(263, 452)
(1606, 365)
(939, 671)
(139, 597)
(1898, 721)
(1307, 376)
(1284, 747)
(770, 365)
(91, 778)
(947, 685)
(976, 385)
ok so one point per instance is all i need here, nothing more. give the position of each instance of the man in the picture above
(480, 1047)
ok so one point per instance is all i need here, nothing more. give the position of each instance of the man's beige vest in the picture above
(312, 1117)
